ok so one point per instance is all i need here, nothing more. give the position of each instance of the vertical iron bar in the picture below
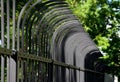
(8, 39)
(2, 39)
(69, 75)
(22, 70)
(25, 71)
(36, 45)
(29, 69)
(12, 70)
(50, 72)
(79, 75)
(17, 73)
(12, 60)
(8, 25)
(2, 23)
(32, 71)
(44, 44)
(2, 69)
(32, 42)
(18, 37)
(22, 40)
(8, 69)
(39, 69)
(35, 71)
(13, 30)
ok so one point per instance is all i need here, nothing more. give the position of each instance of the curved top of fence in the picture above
(51, 21)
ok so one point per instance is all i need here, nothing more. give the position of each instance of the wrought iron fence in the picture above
(42, 41)
(29, 67)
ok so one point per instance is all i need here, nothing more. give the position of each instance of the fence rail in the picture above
(17, 55)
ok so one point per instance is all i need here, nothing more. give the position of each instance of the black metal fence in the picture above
(31, 68)
(42, 41)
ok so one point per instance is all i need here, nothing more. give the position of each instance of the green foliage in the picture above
(101, 19)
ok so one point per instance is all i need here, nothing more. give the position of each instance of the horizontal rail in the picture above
(34, 57)
(9, 52)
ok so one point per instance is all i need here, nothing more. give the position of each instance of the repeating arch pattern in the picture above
(49, 29)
